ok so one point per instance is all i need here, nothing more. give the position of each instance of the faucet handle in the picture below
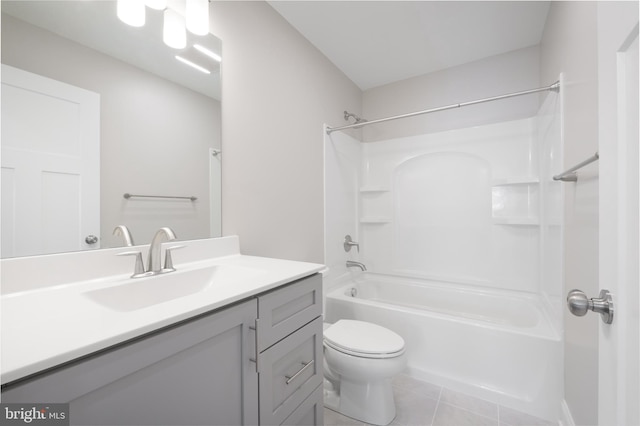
(138, 270)
(348, 243)
(168, 260)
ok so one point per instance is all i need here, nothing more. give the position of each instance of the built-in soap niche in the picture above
(375, 202)
(515, 201)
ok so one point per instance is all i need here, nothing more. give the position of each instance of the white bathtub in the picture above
(491, 344)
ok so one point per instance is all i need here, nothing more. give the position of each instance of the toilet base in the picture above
(369, 404)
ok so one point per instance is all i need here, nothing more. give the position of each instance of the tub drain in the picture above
(353, 292)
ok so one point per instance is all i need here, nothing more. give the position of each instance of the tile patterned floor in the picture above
(420, 403)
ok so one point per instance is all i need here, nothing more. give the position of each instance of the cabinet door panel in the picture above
(310, 412)
(285, 310)
(196, 373)
(289, 372)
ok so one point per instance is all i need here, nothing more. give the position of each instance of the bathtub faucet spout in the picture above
(351, 263)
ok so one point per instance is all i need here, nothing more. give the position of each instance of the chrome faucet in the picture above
(123, 231)
(138, 270)
(351, 263)
(154, 264)
(155, 253)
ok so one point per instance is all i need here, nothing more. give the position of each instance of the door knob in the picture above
(579, 304)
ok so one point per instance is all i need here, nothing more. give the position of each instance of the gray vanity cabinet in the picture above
(290, 354)
(195, 373)
(258, 362)
(310, 412)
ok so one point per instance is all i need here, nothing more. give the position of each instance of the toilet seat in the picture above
(363, 339)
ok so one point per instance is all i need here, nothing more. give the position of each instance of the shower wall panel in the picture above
(442, 215)
(342, 157)
(549, 138)
(461, 205)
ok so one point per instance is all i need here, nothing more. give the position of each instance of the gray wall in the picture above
(569, 45)
(164, 149)
(278, 91)
(496, 75)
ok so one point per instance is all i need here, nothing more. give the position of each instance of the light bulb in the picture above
(131, 12)
(174, 33)
(197, 16)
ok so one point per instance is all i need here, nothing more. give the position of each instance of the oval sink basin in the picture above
(137, 293)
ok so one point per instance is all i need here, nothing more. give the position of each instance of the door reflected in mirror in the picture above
(157, 129)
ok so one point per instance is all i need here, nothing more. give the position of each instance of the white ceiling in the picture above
(379, 42)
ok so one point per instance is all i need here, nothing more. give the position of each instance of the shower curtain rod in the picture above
(554, 87)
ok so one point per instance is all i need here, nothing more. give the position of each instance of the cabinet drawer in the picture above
(283, 311)
(310, 412)
(289, 372)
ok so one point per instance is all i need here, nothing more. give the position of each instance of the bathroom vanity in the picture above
(250, 353)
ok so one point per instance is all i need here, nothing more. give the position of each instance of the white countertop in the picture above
(44, 327)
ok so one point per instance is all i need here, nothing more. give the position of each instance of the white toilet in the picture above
(360, 360)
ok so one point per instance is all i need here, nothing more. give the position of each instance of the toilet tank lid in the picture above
(363, 337)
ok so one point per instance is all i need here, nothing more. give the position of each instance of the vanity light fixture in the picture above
(197, 16)
(131, 12)
(178, 17)
(174, 33)
(208, 52)
(191, 64)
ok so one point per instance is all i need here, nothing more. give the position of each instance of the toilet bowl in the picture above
(360, 359)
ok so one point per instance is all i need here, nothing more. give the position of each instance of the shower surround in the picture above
(456, 219)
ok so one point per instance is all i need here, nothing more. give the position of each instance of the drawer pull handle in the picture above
(304, 367)
(255, 330)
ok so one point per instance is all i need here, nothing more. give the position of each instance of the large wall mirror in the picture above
(156, 120)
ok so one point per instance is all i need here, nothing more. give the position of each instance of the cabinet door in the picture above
(195, 373)
(310, 412)
(289, 372)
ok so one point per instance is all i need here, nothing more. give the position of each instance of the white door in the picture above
(50, 165)
(619, 354)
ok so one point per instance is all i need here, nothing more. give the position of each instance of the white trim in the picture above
(618, 343)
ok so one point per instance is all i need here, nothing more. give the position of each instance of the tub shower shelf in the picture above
(522, 221)
(128, 196)
(520, 180)
(374, 220)
(373, 189)
(515, 200)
